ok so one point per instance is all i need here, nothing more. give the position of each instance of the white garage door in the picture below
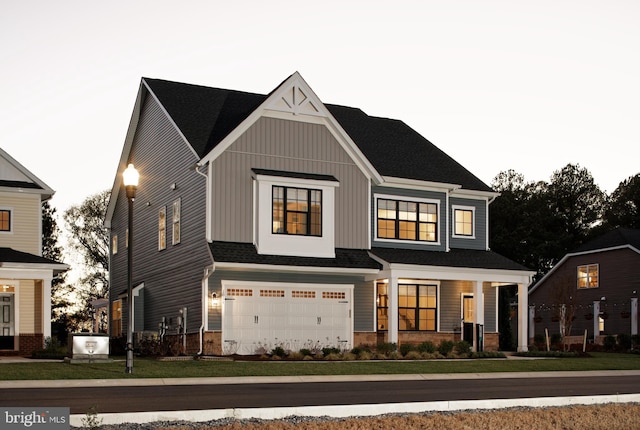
(258, 317)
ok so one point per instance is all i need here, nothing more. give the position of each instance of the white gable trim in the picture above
(295, 100)
(46, 192)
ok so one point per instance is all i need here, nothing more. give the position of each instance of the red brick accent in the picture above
(29, 342)
(212, 344)
(491, 340)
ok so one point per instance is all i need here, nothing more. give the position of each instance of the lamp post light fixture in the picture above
(130, 179)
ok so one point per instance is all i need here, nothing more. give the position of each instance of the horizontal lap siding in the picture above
(293, 146)
(25, 224)
(172, 277)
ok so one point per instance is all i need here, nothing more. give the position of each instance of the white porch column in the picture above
(596, 319)
(523, 313)
(46, 307)
(478, 311)
(393, 309)
(634, 315)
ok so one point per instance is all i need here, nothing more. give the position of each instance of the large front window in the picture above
(588, 276)
(297, 211)
(406, 220)
(417, 307)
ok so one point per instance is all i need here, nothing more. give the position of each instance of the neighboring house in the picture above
(598, 284)
(25, 276)
(278, 220)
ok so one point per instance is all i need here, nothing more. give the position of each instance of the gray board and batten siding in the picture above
(479, 240)
(293, 146)
(172, 277)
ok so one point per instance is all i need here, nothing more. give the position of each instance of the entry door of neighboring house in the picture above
(467, 317)
(7, 328)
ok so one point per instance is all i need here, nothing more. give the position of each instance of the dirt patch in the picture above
(598, 417)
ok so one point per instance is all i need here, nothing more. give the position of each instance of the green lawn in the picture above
(149, 368)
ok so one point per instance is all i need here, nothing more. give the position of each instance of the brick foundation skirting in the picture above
(371, 339)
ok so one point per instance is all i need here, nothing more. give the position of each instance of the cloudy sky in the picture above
(529, 86)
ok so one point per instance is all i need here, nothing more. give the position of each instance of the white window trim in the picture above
(412, 200)
(11, 221)
(271, 243)
(578, 276)
(177, 202)
(453, 221)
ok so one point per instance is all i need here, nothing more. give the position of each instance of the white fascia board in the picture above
(322, 116)
(461, 273)
(299, 269)
(475, 194)
(414, 184)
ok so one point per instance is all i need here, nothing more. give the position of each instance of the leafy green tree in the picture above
(89, 239)
(623, 207)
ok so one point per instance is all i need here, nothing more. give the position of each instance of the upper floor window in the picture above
(5, 220)
(588, 276)
(297, 211)
(175, 236)
(407, 220)
(162, 228)
(114, 244)
(463, 218)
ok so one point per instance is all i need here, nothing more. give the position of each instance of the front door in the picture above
(7, 321)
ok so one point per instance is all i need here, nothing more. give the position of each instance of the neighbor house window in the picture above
(162, 228)
(406, 220)
(114, 244)
(5, 220)
(588, 276)
(297, 211)
(382, 303)
(417, 307)
(463, 222)
(175, 237)
(116, 318)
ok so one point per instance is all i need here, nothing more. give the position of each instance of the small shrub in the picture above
(405, 348)
(364, 355)
(333, 356)
(445, 347)
(609, 343)
(624, 342)
(53, 349)
(413, 355)
(330, 350)
(349, 356)
(296, 356)
(386, 347)
(556, 339)
(307, 358)
(394, 355)
(359, 349)
(305, 351)
(463, 347)
(278, 351)
(427, 346)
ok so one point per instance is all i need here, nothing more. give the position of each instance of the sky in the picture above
(498, 85)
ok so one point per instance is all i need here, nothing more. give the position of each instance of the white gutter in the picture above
(205, 315)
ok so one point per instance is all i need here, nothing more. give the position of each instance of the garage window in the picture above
(271, 293)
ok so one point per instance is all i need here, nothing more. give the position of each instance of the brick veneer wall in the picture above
(491, 340)
(29, 342)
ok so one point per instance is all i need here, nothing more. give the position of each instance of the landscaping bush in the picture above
(427, 346)
(413, 355)
(624, 342)
(386, 347)
(463, 347)
(52, 350)
(305, 352)
(278, 351)
(405, 348)
(330, 350)
(445, 347)
(609, 343)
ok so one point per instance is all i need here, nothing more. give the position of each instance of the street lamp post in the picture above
(130, 178)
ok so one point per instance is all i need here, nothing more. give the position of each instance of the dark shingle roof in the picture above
(19, 184)
(475, 259)
(246, 253)
(9, 255)
(619, 237)
(207, 115)
(298, 175)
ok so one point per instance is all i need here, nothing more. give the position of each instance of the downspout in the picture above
(207, 272)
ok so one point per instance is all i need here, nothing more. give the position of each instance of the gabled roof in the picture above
(246, 253)
(462, 258)
(11, 258)
(15, 176)
(613, 240)
(620, 236)
(205, 116)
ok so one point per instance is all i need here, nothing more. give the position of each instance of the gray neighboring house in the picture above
(278, 220)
